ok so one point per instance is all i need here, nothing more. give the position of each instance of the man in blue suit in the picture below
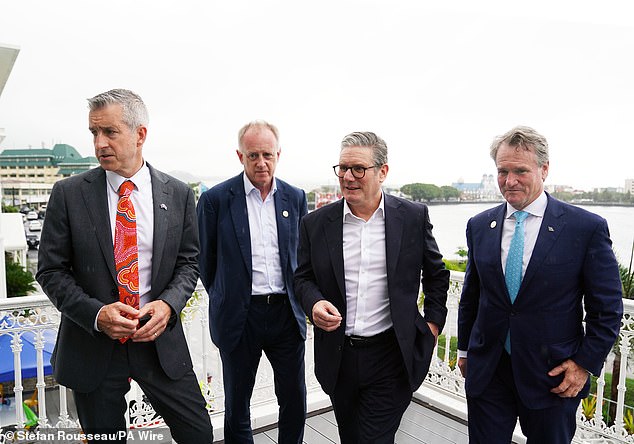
(522, 345)
(248, 233)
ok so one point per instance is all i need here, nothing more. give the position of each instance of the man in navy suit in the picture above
(248, 233)
(532, 358)
(359, 271)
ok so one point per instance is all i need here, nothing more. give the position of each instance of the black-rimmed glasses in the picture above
(357, 171)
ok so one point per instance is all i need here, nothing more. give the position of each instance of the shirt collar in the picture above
(248, 186)
(535, 208)
(140, 179)
(379, 210)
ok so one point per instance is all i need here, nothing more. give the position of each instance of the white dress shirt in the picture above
(365, 268)
(266, 277)
(144, 208)
(532, 224)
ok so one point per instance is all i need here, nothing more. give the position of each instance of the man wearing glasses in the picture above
(360, 262)
(248, 237)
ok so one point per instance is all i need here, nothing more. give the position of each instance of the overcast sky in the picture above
(436, 81)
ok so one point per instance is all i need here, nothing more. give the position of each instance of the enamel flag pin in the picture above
(163, 207)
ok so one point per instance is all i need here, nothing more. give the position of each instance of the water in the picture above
(450, 223)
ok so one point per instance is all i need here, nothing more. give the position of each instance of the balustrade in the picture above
(33, 321)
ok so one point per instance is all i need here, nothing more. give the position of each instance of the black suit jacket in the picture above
(76, 270)
(410, 248)
(225, 262)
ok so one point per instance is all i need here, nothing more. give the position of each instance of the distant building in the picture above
(486, 189)
(43, 164)
(27, 175)
(629, 186)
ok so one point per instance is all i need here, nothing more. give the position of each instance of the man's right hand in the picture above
(113, 320)
(326, 316)
(462, 365)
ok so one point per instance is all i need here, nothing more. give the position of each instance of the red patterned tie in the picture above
(126, 253)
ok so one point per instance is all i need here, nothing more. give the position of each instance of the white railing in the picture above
(34, 319)
(34, 315)
(444, 386)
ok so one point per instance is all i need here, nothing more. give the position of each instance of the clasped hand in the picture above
(119, 320)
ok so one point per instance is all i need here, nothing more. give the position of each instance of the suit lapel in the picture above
(161, 198)
(239, 215)
(93, 191)
(283, 221)
(333, 232)
(552, 225)
(394, 220)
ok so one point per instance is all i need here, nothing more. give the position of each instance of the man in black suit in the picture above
(358, 278)
(102, 341)
(248, 234)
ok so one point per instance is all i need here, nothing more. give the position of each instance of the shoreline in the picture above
(495, 202)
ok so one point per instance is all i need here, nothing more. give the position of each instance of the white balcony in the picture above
(28, 327)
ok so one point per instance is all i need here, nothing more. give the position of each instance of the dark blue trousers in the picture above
(493, 415)
(271, 328)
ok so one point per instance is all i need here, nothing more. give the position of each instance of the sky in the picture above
(436, 80)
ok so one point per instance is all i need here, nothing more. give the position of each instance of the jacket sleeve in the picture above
(603, 301)
(207, 224)
(55, 265)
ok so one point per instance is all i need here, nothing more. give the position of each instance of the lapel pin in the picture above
(285, 213)
(551, 229)
(163, 207)
(493, 224)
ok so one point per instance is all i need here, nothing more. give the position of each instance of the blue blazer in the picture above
(412, 256)
(225, 259)
(572, 267)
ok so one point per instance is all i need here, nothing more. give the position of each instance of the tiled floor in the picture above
(420, 424)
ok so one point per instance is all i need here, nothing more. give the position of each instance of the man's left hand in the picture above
(159, 313)
(575, 378)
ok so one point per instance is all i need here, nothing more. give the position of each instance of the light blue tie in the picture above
(513, 271)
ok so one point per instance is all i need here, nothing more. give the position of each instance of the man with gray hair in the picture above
(537, 269)
(248, 234)
(119, 259)
(361, 262)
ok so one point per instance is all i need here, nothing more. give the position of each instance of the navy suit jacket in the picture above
(410, 250)
(225, 261)
(76, 269)
(572, 267)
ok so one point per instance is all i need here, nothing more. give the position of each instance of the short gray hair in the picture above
(134, 110)
(369, 140)
(523, 137)
(261, 124)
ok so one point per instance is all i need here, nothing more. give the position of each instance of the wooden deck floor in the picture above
(420, 424)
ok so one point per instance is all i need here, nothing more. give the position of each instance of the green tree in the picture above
(19, 281)
(448, 192)
(421, 191)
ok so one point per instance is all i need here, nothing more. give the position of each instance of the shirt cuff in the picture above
(97, 317)
(462, 354)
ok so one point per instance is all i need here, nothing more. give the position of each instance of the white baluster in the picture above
(41, 384)
(16, 347)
